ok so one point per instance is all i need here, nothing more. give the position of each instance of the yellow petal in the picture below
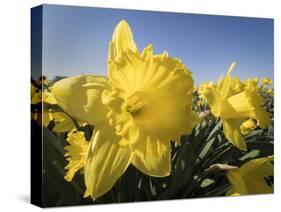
(153, 157)
(237, 182)
(122, 40)
(261, 167)
(231, 129)
(224, 89)
(248, 126)
(250, 178)
(214, 100)
(63, 122)
(263, 118)
(80, 96)
(245, 103)
(49, 98)
(266, 81)
(248, 104)
(76, 153)
(47, 117)
(258, 185)
(254, 173)
(106, 162)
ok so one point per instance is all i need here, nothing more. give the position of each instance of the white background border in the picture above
(14, 93)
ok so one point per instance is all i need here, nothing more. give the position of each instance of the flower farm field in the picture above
(145, 132)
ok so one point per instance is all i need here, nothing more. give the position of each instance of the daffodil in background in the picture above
(143, 105)
(43, 98)
(36, 96)
(270, 92)
(235, 103)
(250, 178)
(266, 87)
(266, 81)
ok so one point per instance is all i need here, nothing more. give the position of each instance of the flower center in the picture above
(135, 102)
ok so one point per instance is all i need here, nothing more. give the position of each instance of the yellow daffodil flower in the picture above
(36, 91)
(76, 153)
(250, 177)
(143, 104)
(63, 122)
(266, 81)
(234, 108)
(270, 92)
(36, 96)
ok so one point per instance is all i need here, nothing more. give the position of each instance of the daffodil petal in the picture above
(225, 86)
(254, 173)
(231, 129)
(258, 185)
(80, 97)
(63, 122)
(122, 40)
(261, 167)
(47, 117)
(214, 100)
(263, 118)
(153, 157)
(237, 182)
(49, 98)
(106, 162)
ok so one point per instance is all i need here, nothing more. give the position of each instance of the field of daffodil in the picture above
(146, 132)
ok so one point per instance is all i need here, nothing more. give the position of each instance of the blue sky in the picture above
(75, 41)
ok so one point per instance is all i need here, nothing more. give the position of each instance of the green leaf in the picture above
(183, 172)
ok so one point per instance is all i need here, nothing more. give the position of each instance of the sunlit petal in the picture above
(122, 40)
(106, 162)
(80, 96)
(153, 157)
(231, 129)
